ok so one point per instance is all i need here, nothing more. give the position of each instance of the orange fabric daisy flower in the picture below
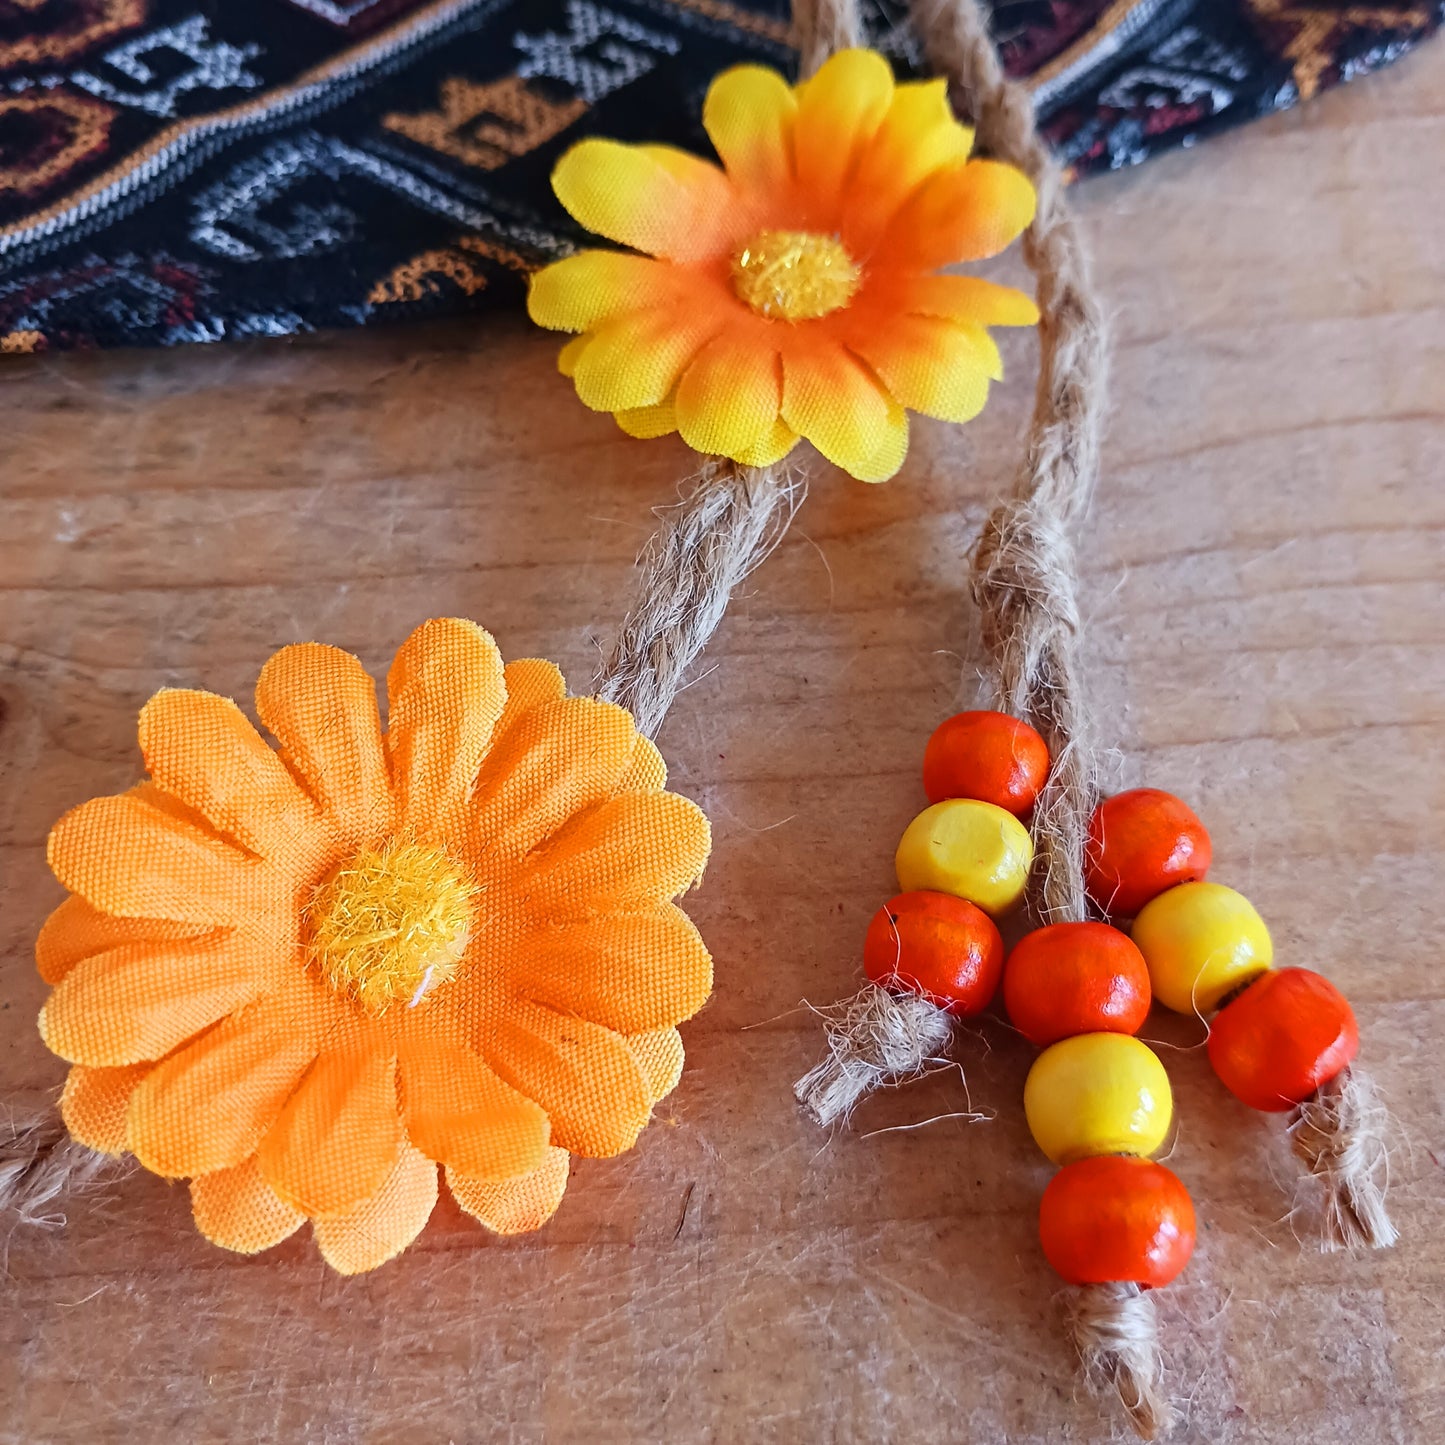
(797, 291)
(303, 979)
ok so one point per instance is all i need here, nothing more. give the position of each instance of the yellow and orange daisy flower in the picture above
(797, 291)
(303, 979)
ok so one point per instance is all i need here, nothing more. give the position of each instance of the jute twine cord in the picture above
(874, 1038)
(1023, 580)
(725, 526)
(1341, 1134)
(821, 27)
(1023, 563)
(1116, 1332)
(1023, 575)
(40, 1165)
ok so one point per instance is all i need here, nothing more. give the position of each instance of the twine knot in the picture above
(874, 1038)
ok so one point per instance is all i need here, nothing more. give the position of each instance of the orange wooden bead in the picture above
(1075, 978)
(1112, 1219)
(936, 945)
(1289, 1032)
(989, 756)
(1140, 843)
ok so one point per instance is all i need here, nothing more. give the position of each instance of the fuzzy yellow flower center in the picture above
(795, 275)
(391, 924)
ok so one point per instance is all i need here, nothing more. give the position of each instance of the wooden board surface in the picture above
(1263, 583)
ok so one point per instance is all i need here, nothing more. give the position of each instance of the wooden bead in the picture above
(970, 849)
(941, 947)
(989, 756)
(1112, 1220)
(1140, 843)
(1284, 1036)
(1097, 1094)
(1075, 978)
(1201, 942)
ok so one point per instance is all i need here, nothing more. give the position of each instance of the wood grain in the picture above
(1263, 582)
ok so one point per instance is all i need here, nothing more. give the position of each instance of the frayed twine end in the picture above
(874, 1038)
(1340, 1133)
(40, 1164)
(1115, 1329)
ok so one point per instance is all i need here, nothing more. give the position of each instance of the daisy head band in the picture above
(309, 978)
(797, 291)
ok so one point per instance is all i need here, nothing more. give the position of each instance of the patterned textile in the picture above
(188, 170)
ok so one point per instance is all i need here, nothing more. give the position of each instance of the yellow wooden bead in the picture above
(1201, 941)
(970, 849)
(1097, 1094)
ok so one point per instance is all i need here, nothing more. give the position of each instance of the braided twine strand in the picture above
(1023, 580)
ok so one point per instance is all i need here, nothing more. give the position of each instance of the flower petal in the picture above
(659, 1053)
(729, 397)
(141, 1000)
(320, 703)
(647, 422)
(748, 115)
(446, 694)
(201, 749)
(583, 1075)
(940, 368)
(964, 214)
(127, 857)
(380, 1229)
(959, 298)
(238, 1210)
(580, 291)
(652, 198)
(458, 1112)
(336, 1141)
(520, 1205)
(75, 931)
(627, 855)
(885, 461)
(636, 360)
(94, 1101)
(647, 770)
(837, 404)
(917, 137)
(209, 1106)
(644, 971)
(841, 108)
(559, 759)
(770, 449)
(530, 682)
(571, 353)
